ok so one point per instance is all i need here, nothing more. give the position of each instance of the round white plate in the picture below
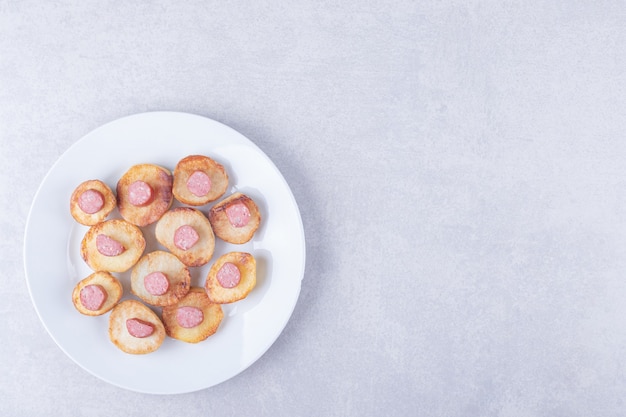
(54, 266)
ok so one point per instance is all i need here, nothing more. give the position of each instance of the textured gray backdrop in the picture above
(459, 168)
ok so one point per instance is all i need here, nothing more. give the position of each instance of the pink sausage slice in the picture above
(156, 283)
(199, 184)
(91, 201)
(108, 246)
(238, 214)
(229, 276)
(92, 297)
(139, 193)
(189, 317)
(139, 328)
(185, 237)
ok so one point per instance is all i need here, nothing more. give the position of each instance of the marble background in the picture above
(459, 168)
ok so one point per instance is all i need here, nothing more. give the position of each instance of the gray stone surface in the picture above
(459, 168)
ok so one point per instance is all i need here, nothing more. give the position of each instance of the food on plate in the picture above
(199, 180)
(160, 278)
(187, 233)
(91, 202)
(135, 328)
(194, 318)
(97, 294)
(144, 194)
(235, 219)
(231, 277)
(112, 245)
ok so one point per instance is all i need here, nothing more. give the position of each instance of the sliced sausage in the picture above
(93, 296)
(139, 328)
(199, 184)
(156, 283)
(189, 317)
(108, 246)
(91, 201)
(139, 193)
(238, 214)
(185, 237)
(228, 276)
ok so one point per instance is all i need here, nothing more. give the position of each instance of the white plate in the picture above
(53, 263)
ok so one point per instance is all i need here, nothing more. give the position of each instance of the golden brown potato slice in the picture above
(194, 318)
(86, 298)
(175, 230)
(231, 277)
(199, 180)
(132, 317)
(91, 202)
(144, 194)
(235, 219)
(160, 278)
(113, 245)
